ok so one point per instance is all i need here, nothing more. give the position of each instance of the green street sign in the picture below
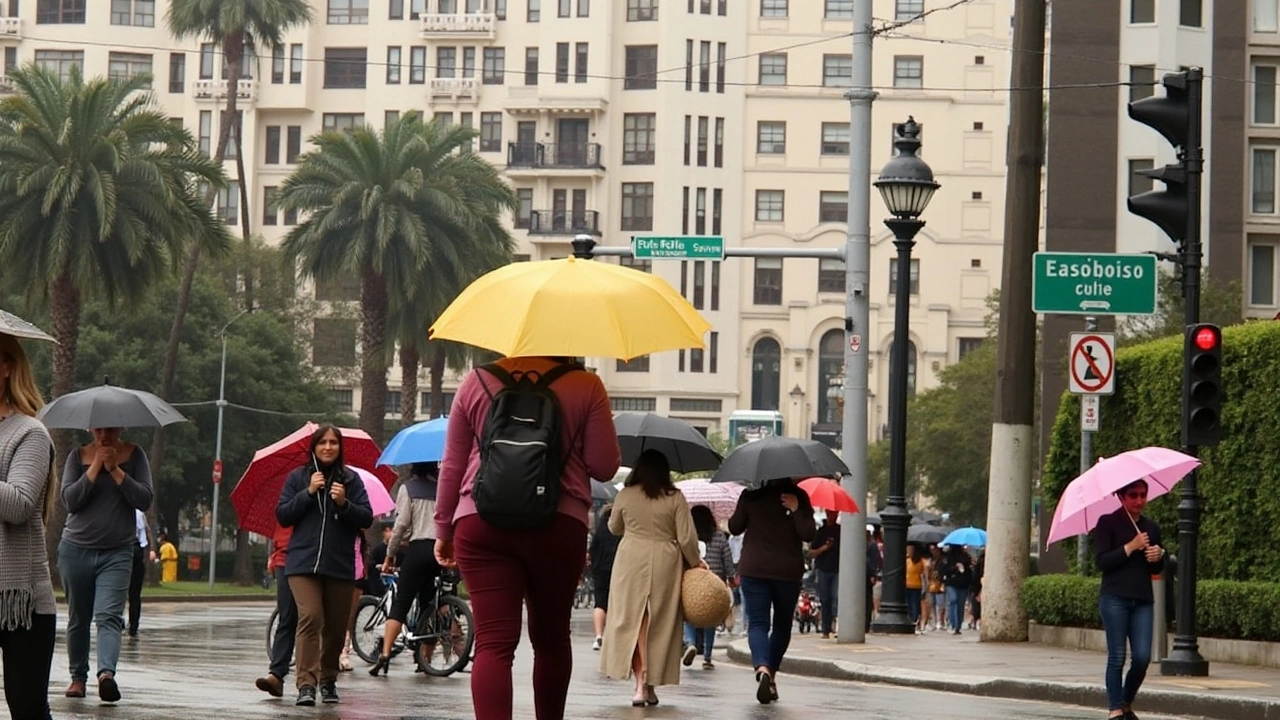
(1094, 284)
(678, 247)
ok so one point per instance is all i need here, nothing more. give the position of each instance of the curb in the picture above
(186, 599)
(1082, 694)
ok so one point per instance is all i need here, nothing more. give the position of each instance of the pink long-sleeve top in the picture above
(587, 432)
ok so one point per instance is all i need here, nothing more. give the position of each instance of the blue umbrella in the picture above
(971, 536)
(421, 442)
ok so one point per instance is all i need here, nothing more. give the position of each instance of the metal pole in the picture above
(217, 459)
(851, 595)
(1086, 462)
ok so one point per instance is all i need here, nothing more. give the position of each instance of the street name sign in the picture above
(678, 247)
(1092, 362)
(1094, 284)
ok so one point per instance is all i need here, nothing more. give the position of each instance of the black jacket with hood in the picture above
(324, 535)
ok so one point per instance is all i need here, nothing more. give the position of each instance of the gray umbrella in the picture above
(107, 406)
(926, 534)
(686, 449)
(11, 324)
(778, 458)
(603, 491)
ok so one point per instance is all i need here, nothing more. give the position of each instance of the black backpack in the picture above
(521, 461)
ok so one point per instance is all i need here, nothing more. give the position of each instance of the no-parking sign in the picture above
(1092, 363)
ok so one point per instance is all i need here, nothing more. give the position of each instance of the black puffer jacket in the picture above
(324, 535)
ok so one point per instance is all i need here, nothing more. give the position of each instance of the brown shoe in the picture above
(75, 689)
(270, 685)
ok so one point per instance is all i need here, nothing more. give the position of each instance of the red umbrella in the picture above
(827, 494)
(256, 495)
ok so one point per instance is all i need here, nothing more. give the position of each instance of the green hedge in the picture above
(1240, 481)
(1224, 608)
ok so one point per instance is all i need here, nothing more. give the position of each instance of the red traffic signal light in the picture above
(1207, 338)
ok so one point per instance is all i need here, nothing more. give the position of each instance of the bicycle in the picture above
(585, 596)
(271, 633)
(445, 630)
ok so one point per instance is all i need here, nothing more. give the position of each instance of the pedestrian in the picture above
(168, 559)
(777, 519)
(138, 573)
(825, 551)
(373, 584)
(658, 543)
(282, 643)
(600, 556)
(957, 574)
(719, 558)
(28, 490)
(515, 522)
(975, 591)
(357, 591)
(415, 528)
(875, 559)
(325, 503)
(915, 584)
(103, 484)
(937, 591)
(1128, 552)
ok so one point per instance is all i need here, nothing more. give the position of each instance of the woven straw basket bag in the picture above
(704, 598)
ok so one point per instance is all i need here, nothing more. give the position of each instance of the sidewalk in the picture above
(961, 664)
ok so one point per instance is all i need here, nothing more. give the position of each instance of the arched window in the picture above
(766, 372)
(830, 365)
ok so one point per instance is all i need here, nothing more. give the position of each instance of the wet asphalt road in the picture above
(198, 662)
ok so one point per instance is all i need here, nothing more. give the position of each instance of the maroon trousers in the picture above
(504, 571)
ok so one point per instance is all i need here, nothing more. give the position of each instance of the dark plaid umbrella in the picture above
(686, 449)
(779, 458)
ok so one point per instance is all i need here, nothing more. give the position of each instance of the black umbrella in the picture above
(686, 448)
(779, 458)
(107, 406)
(926, 534)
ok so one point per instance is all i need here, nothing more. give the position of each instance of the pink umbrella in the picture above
(379, 499)
(721, 498)
(1093, 494)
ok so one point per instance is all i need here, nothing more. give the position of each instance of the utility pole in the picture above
(1012, 442)
(851, 594)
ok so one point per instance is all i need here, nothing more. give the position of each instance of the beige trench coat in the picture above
(658, 543)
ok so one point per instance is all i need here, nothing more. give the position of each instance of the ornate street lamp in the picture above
(906, 183)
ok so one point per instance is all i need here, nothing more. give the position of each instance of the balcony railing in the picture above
(554, 155)
(246, 89)
(435, 24)
(573, 222)
(11, 27)
(456, 88)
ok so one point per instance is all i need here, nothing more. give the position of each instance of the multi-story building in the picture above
(699, 117)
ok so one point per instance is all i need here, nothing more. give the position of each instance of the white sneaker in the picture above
(596, 645)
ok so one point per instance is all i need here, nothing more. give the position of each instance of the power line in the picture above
(248, 408)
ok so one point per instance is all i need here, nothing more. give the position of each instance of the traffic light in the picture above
(1202, 386)
(1176, 116)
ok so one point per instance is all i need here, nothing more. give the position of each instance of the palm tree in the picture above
(385, 207)
(98, 194)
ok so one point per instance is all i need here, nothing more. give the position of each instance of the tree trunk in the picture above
(409, 362)
(437, 379)
(373, 354)
(246, 269)
(66, 330)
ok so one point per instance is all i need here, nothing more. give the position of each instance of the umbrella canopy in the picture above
(380, 500)
(686, 449)
(11, 324)
(256, 495)
(107, 406)
(971, 536)
(827, 494)
(927, 534)
(721, 498)
(778, 458)
(1093, 494)
(571, 307)
(420, 442)
(603, 491)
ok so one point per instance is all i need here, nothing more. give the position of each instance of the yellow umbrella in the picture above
(571, 307)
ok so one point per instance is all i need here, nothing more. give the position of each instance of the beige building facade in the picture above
(623, 118)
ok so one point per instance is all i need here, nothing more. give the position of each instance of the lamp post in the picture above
(906, 183)
(217, 451)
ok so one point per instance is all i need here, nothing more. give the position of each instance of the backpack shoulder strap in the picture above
(502, 375)
(557, 372)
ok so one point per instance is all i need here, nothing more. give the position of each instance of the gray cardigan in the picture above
(26, 455)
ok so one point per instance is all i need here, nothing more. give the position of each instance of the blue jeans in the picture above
(769, 637)
(955, 606)
(913, 604)
(708, 639)
(97, 584)
(1126, 620)
(827, 592)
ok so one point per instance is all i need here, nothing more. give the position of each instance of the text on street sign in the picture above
(678, 247)
(1094, 283)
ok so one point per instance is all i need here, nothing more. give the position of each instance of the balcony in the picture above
(216, 90)
(558, 222)
(460, 89)
(443, 26)
(10, 29)
(554, 156)
(7, 86)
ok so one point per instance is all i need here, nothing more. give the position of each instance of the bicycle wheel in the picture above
(366, 632)
(445, 638)
(271, 631)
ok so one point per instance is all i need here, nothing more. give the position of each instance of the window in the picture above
(1189, 12)
(205, 135)
(1142, 80)
(633, 404)
(835, 138)
(495, 66)
(580, 62)
(393, 403)
(637, 206)
(565, 8)
(342, 121)
(273, 145)
(684, 227)
(696, 356)
(641, 67)
(638, 131)
(395, 10)
(833, 206)
(771, 137)
(207, 53)
(562, 62)
(293, 144)
(345, 67)
(1263, 185)
(333, 342)
(717, 206)
(914, 274)
(830, 364)
(584, 8)
(968, 345)
(688, 65)
(531, 66)
(465, 120)
(1266, 17)
(722, 9)
(719, 157)
(642, 10)
(1142, 11)
(700, 217)
(688, 137)
(10, 59)
(177, 72)
(229, 203)
(233, 142)
(1139, 184)
(703, 130)
(769, 205)
(837, 70)
(766, 373)
(348, 12)
(393, 65)
(139, 13)
(446, 62)
(905, 10)
(768, 281)
(773, 69)
(704, 67)
(417, 65)
(699, 279)
(60, 12)
(490, 132)
(295, 64)
(640, 364)
(721, 49)
(343, 398)
(838, 10)
(1264, 94)
(270, 213)
(696, 405)
(908, 71)
(1262, 275)
(773, 8)
(831, 275)
(60, 61)
(534, 13)
(277, 65)
(524, 214)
